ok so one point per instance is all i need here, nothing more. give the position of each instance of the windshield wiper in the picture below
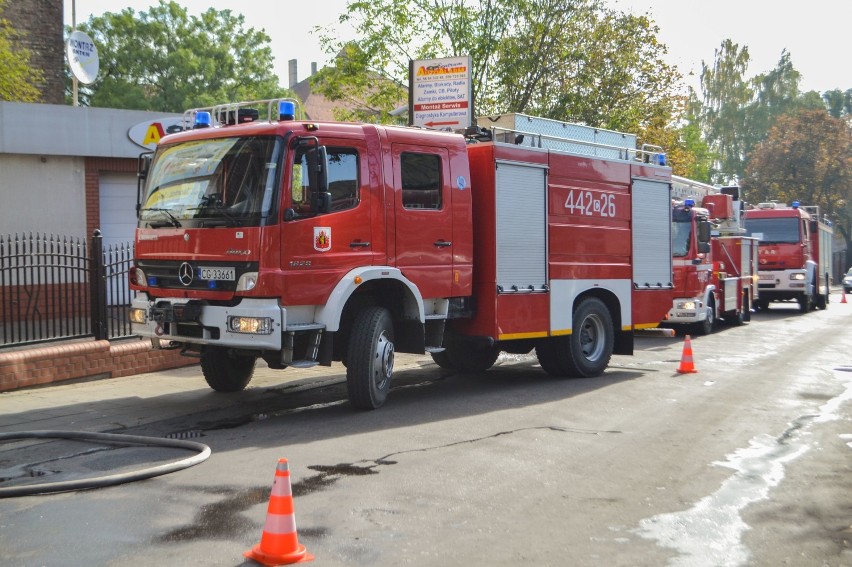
(173, 221)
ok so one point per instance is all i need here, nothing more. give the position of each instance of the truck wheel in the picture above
(587, 350)
(706, 326)
(370, 358)
(457, 356)
(805, 303)
(224, 371)
(761, 304)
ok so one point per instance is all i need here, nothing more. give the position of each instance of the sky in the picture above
(816, 38)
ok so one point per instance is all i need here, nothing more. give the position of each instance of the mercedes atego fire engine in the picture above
(795, 254)
(715, 263)
(265, 236)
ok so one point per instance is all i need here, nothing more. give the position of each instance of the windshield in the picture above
(783, 230)
(215, 182)
(681, 232)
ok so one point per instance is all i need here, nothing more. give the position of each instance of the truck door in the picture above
(317, 249)
(424, 227)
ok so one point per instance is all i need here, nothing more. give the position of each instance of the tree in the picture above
(568, 60)
(838, 103)
(168, 61)
(807, 156)
(18, 79)
(726, 93)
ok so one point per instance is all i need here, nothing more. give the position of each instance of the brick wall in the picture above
(84, 359)
(41, 29)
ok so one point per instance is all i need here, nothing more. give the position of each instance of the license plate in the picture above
(767, 277)
(220, 274)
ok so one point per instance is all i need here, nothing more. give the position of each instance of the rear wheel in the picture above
(370, 358)
(225, 371)
(587, 350)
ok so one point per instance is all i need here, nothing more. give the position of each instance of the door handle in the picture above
(443, 244)
(359, 244)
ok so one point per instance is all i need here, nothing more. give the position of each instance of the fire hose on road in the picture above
(108, 480)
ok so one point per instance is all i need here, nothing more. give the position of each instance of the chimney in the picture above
(313, 68)
(293, 75)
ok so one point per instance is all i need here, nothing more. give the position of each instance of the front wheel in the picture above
(225, 371)
(706, 326)
(370, 358)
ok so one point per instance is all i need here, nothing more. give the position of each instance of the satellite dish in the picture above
(82, 57)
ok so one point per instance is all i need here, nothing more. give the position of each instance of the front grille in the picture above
(167, 274)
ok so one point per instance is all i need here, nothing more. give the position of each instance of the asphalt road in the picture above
(745, 462)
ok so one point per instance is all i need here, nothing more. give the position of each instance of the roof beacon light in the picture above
(689, 202)
(286, 110)
(202, 119)
(661, 159)
(796, 204)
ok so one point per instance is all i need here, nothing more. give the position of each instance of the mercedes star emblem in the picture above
(185, 274)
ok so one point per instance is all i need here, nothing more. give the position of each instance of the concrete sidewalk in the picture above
(131, 401)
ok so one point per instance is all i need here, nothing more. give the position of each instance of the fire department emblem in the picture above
(322, 238)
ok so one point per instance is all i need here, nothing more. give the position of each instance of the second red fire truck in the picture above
(301, 243)
(715, 262)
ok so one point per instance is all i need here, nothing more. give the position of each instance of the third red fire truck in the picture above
(301, 243)
(795, 254)
(715, 263)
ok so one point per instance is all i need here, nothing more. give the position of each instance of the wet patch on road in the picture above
(710, 533)
(220, 520)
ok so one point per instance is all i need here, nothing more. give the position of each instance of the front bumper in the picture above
(192, 321)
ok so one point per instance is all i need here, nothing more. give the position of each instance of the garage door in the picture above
(117, 224)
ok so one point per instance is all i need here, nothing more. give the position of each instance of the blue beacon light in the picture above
(202, 119)
(286, 110)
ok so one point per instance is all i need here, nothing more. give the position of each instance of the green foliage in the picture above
(168, 61)
(568, 60)
(807, 156)
(18, 80)
(838, 103)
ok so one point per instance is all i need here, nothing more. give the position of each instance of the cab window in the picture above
(421, 181)
(343, 181)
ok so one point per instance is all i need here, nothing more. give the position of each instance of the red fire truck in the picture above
(715, 263)
(304, 243)
(795, 254)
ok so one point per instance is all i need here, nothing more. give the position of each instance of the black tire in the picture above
(806, 303)
(370, 358)
(706, 326)
(226, 372)
(761, 304)
(586, 351)
(466, 358)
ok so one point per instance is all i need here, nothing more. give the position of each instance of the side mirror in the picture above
(703, 247)
(704, 232)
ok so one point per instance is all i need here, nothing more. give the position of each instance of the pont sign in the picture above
(82, 57)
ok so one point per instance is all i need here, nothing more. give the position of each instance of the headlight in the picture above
(252, 325)
(797, 276)
(686, 305)
(137, 315)
(247, 281)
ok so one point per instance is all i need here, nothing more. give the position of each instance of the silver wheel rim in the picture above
(384, 360)
(592, 338)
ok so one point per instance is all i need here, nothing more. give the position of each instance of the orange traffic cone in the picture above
(686, 365)
(843, 297)
(279, 543)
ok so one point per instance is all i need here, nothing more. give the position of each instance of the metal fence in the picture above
(59, 287)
